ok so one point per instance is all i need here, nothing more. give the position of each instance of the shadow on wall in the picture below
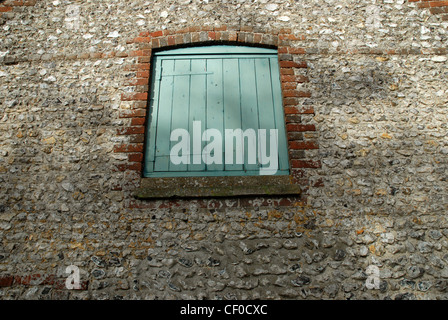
(377, 136)
(351, 81)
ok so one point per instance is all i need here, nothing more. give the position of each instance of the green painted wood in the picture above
(215, 111)
(279, 114)
(265, 104)
(214, 56)
(224, 87)
(153, 115)
(232, 106)
(162, 145)
(181, 105)
(197, 110)
(249, 107)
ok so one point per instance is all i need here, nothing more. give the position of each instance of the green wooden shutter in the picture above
(224, 87)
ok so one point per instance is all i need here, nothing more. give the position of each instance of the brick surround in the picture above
(292, 71)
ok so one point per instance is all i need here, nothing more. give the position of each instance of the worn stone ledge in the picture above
(202, 187)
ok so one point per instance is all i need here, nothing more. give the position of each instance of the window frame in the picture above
(216, 51)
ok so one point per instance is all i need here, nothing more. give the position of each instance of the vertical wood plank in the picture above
(232, 105)
(265, 102)
(153, 116)
(249, 106)
(181, 104)
(198, 96)
(162, 150)
(215, 112)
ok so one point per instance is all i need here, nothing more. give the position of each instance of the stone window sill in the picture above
(206, 187)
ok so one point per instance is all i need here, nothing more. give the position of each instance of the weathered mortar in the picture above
(377, 78)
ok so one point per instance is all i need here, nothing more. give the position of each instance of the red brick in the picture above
(318, 183)
(142, 74)
(134, 167)
(291, 37)
(233, 36)
(138, 82)
(432, 4)
(221, 28)
(212, 35)
(125, 148)
(135, 53)
(305, 164)
(292, 64)
(293, 118)
(171, 40)
(290, 101)
(299, 110)
(139, 67)
(135, 113)
(296, 93)
(5, 9)
(191, 29)
(137, 121)
(296, 50)
(140, 53)
(156, 33)
(301, 127)
(142, 39)
(179, 39)
(289, 85)
(204, 28)
(6, 281)
(296, 78)
(282, 49)
(285, 30)
(155, 43)
(134, 96)
(144, 60)
(182, 31)
(303, 145)
(288, 71)
(137, 138)
(257, 37)
(131, 130)
(135, 157)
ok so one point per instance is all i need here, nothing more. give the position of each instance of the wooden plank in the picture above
(215, 114)
(181, 105)
(249, 108)
(232, 108)
(265, 107)
(198, 99)
(162, 146)
(153, 116)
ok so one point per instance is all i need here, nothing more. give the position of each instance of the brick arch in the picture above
(8, 5)
(292, 71)
(435, 7)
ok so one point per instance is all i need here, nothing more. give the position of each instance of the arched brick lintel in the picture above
(434, 6)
